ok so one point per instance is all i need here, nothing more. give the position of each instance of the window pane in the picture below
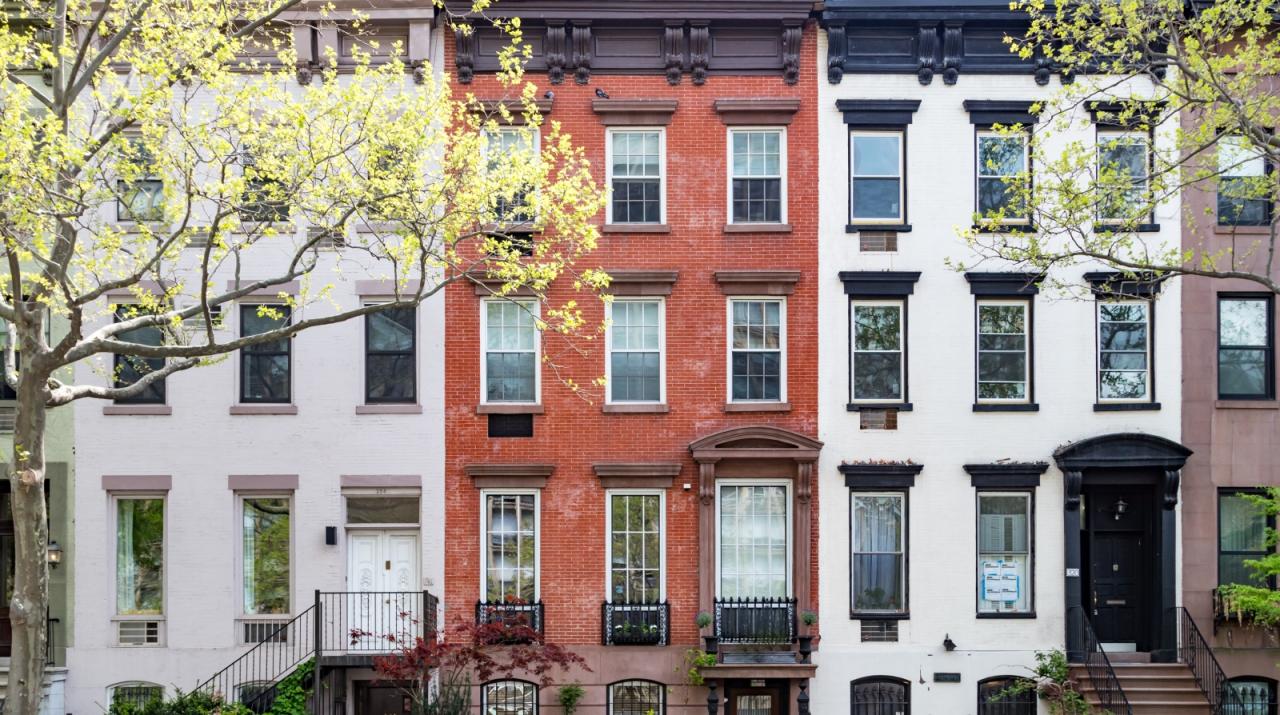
(139, 556)
(635, 558)
(995, 698)
(754, 541)
(1001, 156)
(266, 555)
(877, 352)
(881, 697)
(878, 577)
(876, 198)
(510, 697)
(1257, 696)
(1242, 372)
(1242, 322)
(1004, 554)
(391, 330)
(382, 510)
(129, 369)
(1002, 352)
(510, 542)
(756, 364)
(877, 327)
(635, 177)
(876, 155)
(1122, 344)
(266, 378)
(636, 697)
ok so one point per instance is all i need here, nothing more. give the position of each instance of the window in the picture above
(1002, 172)
(130, 368)
(1246, 347)
(996, 698)
(637, 176)
(509, 697)
(1003, 351)
(139, 556)
(399, 510)
(1242, 536)
(263, 197)
(1124, 160)
(756, 182)
(881, 696)
(877, 190)
(510, 547)
(879, 553)
(1244, 194)
(878, 365)
(1004, 552)
(141, 195)
(754, 540)
(137, 694)
(757, 354)
(637, 697)
(520, 146)
(1256, 694)
(1124, 351)
(635, 547)
(635, 369)
(265, 367)
(265, 562)
(390, 361)
(510, 365)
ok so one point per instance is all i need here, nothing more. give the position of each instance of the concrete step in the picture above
(1151, 688)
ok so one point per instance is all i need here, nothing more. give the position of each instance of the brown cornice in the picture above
(633, 282)
(654, 475)
(634, 112)
(762, 110)
(757, 282)
(493, 107)
(509, 476)
(530, 10)
(491, 287)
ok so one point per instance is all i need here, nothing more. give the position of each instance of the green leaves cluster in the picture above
(1258, 604)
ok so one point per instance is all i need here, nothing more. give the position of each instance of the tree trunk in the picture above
(28, 610)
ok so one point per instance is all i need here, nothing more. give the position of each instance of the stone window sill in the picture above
(137, 410)
(1125, 406)
(635, 228)
(898, 227)
(1241, 230)
(529, 408)
(757, 407)
(636, 408)
(1246, 404)
(264, 409)
(757, 228)
(860, 406)
(389, 409)
(1006, 407)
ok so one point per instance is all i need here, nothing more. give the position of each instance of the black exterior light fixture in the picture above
(1119, 509)
(331, 536)
(947, 643)
(55, 554)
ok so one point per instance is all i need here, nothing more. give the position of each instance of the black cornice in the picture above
(1006, 475)
(1006, 112)
(880, 476)
(879, 284)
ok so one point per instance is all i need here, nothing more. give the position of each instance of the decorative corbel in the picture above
(419, 73)
(699, 50)
(952, 51)
(304, 73)
(804, 482)
(465, 53)
(556, 59)
(791, 53)
(1044, 69)
(836, 50)
(673, 50)
(1072, 485)
(707, 483)
(1170, 495)
(926, 52)
(582, 51)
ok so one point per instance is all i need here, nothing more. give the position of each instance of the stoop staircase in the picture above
(1129, 684)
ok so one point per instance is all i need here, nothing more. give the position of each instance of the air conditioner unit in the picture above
(138, 633)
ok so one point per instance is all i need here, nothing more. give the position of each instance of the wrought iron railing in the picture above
(1194, 650)
(512, 614)
(1103, 677)
(635, 623)
(373, 621)
(756, 620)
(251, 678)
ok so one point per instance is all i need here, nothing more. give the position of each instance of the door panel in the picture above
(1118, 595)
(386, 597)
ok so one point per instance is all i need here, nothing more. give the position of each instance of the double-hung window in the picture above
(637, 176)
(757, 184)
(139, 556)
(1246, 347)
(877, 187)
(1004, 346)
(265, 367)
(878, 559)
(635, 521)
(1124, 350)
(265, 555)
(128, 369)
(510, 546)
(1242, 536)
(390, 357)
(510, 365)
(263, 198)
(1004, 552)
(879, 364)
(754, 540)
(635, 366)
(1246, 191)
(140, 195)
(520, 147)
(1124, 165)
(1002, 174)
(757, 350)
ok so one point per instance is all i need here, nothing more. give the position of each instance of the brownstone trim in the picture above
(493, 108)
(634, 112)
(757, 407)
(763, 111)
(635, 228)
(757, 282)
(492, 288)
(382, 481)
(276, 409)
(272, 291)
(137, 482)
(387, 288)
(389, 409)
(658, 475)
(638, 408)
(514, 408)
(509, 476)
(136, 410)
(760, 670)
(631, 282)
(757, 228)
(262, 482)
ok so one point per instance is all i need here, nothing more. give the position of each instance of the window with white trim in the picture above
(510, 547)
(265, 555)
(636, 559)
(635, 339)
(757, 175)
(878, 568)
(510, 362)
(1124, 351)
(754, 539)
(757, 350)
(1004, 351)
(1124, 165)
(879, 364)
(1246, 192)
(1003, 159)
(519, 147)
(877, 186)
(637, 176)
(139, 555)
(1004, 552)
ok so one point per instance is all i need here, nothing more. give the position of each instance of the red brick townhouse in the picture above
(688, 486)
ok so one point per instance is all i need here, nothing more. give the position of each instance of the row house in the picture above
(1001, 460)
(295, 491)
(676, 509)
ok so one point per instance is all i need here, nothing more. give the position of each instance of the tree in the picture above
(186, 118)
(1200, 78)
(1258, 603)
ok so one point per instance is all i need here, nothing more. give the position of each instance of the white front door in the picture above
(385, 604)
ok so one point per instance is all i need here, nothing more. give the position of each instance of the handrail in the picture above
(276, 654)
(1103, 676)
(1194, 650)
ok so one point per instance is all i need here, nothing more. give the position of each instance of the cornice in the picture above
(634, 112)
(526, 10)
(761, 110)
(757, 282)
(641, 282)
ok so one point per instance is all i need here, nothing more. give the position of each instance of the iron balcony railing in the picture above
(512, 614)
(1194, 650)
(1103, 677)
(755, 620)
(635, 623)
(355, 622)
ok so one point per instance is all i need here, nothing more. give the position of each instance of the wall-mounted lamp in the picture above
(55, 554)
(947, 643)
(1119, 508)
(331, 536)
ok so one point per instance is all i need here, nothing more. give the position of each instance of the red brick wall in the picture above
(573, 434)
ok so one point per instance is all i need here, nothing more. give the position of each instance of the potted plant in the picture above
(703, 619)
(809, 619)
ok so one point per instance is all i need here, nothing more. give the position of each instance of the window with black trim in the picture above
(509, 697)
(1124, 175)
(881, 695)
(263, 198)
(1005, 568)
(265, 368)
(1246, 347)
(1246, 191)
(390, 356)
(1257, 695)
(1124, 350)
(128, 369)
(1242, 536)
(637, 697)
(1006, 695)
(878, 354)
(1003, 159)
(878, 176)
(140, 194)
(1003, 350)
(878, 568)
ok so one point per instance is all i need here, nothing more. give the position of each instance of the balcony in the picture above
(635, 623)
(756, 621)
(517, 616)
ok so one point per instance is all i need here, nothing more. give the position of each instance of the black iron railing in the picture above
(1194, 650)
(251, 678)
(635, 623)
(1103, 677)
(756, 620)
(373, 621)
(512, 614)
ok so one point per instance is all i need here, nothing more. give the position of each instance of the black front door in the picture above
(1119, 606)
(382, 699)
